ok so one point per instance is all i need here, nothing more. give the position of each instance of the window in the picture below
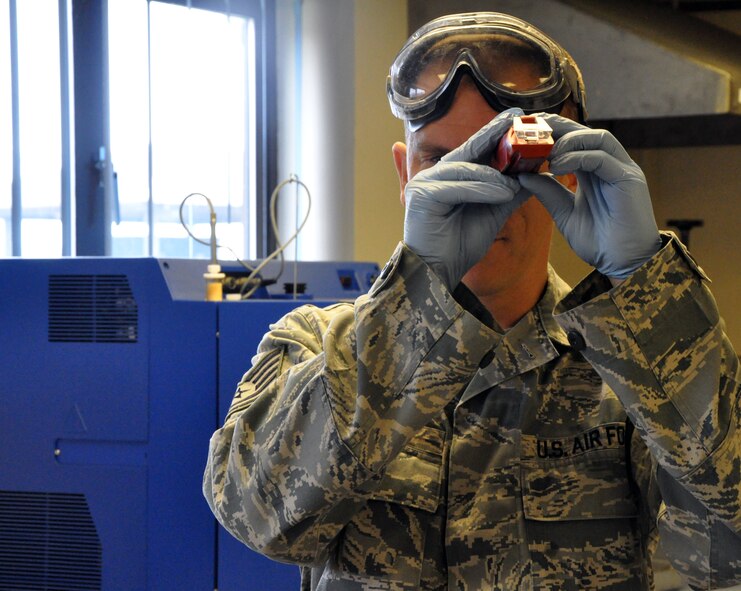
(182, 95)
(31, 106)
(6, 138)
(171, 99)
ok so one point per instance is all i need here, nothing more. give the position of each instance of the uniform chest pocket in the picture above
(592, 486)
(581, 523)
(414, 477)
(583, 488)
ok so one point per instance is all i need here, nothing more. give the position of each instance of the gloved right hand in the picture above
(455, 209)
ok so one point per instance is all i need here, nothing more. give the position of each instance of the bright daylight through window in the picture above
(31, 139)
(189, 94)
(181, 106)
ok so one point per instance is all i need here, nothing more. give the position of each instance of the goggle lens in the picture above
(513, 64)
(498, 58)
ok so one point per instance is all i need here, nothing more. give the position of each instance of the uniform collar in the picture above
(555, 291)
(528, 344)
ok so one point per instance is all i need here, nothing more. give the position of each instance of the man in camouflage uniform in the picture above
(474, 423)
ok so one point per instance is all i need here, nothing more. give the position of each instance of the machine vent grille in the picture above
(92, 309)
(48, 542)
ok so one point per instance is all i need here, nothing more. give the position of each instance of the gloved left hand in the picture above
(609, 222)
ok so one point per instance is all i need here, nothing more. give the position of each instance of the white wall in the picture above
(335, 128)
(316, 123)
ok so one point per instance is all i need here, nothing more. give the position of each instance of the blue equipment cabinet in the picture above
(115, 373)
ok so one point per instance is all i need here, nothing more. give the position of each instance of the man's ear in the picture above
(399, 150)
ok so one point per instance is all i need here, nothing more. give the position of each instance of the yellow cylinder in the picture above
(214, 283)
(214, 291)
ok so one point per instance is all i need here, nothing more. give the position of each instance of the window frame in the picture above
(93, 171)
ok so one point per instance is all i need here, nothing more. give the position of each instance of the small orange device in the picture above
(525, 146)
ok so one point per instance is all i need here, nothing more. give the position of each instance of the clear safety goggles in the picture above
(512, 63)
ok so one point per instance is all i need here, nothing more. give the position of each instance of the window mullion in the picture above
(66, 173)
(150, 202)
(15, 223)
(92, 206)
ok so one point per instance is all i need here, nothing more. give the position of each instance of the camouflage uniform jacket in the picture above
(402, 443)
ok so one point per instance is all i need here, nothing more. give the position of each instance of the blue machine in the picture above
(114, 374)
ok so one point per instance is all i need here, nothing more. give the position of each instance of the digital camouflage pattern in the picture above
(403, 442)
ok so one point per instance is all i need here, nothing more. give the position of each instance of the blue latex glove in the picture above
(455, 209)
(609, 222)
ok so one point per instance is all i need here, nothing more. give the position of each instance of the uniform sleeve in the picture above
(657, 340)
(332, 397)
